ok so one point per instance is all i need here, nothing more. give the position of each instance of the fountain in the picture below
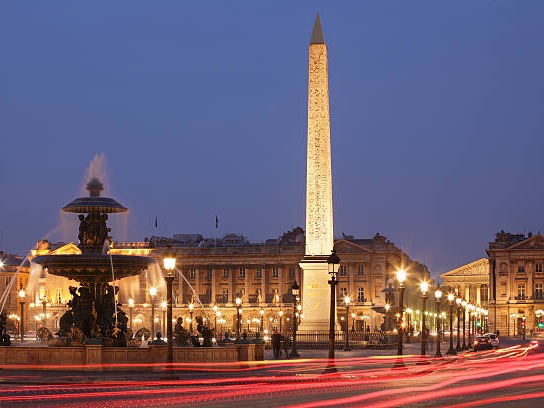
(94, 316)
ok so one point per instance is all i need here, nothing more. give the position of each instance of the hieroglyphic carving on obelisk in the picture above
(319, 217)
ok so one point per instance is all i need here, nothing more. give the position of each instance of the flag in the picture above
(216, 222)
(156, 223)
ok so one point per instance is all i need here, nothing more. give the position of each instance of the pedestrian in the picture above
(276, 344)
(286, 345)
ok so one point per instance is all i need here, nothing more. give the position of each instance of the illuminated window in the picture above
(538, 291)
(225, 273)
(242, 274)
(275, 272)
(521, 291)
(360, 270)
(209, 273)
(538, 267)
(192, 274)
(360, 294)
(343, 270)
(258, 273)
(343, 292)
(484, 293)
(521, 268)
(377, 270)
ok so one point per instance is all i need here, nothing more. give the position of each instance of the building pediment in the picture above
(535, 242)
(345, 246)
(479, 267)
(68, 249)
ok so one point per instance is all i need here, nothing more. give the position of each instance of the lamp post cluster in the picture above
(332, 260)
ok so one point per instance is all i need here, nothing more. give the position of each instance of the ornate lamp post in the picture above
(281, 319)
(464, 305)
(470, 325)
(261, 312)
(458, 301)
(347, 301)
(238, 317)
(438, 297)
(401, 277)
(295, 289)
(130, 309)
(152, 294)
(215, 311)
(451, 350)
(191, 307)
(424, 287)
(22, 295)
(169, 262)
(409, 312)
(353, 317)
(332, 260)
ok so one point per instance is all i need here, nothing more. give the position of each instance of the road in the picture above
(510, 376)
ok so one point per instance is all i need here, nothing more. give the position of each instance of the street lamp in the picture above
(191, 307)
(261, 312)
(464, 305)
(169, 262)
(152, 294)
(164, 305)
(438, 297)
(353, 317)
(409, 312)
(401, 277)
(215, 311)
(332, 260)
(458, 301)
(238, 317)
(130, 308)
(281, 319)
(295, 289)
(451, 350)
(347, 301)
(22, 295)
(424, 287)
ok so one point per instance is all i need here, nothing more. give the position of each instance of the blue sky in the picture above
(200, 109)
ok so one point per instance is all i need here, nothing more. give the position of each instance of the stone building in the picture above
(214, 272)
(470, 281)
(516, 282)
(13, 275)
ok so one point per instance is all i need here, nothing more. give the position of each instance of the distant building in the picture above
(470, 281)
(516, 282)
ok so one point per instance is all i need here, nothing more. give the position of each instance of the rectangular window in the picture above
(521, 268)
(192, 274)
(209, 274)
(225, 273)
(360, 270)
(538, 267)
(275, 272)
(242, 274)
(360, 294)
(484, 291)
(343, 292)
(503, 289)
(538, 291)
(343, 270)
(258, 273)
(521, 291)
(291, 273)
(225, 293)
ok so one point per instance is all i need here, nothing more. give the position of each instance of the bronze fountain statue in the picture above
(94, 315)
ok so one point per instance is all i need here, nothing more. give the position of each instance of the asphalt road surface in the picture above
(510, 376)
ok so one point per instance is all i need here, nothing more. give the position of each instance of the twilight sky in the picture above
(200, 109)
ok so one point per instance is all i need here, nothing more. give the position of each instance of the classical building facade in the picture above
(470, 281)
(214, 272)
(516, 282)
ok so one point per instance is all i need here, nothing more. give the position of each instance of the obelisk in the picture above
(319, 217)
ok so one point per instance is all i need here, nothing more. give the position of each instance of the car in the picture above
(482, 343)
(494, 339)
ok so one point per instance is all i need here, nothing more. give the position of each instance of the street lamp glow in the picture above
(22, 293)
(347, 300)
(387, 307)
(238, 301)
(130, 302)
(191, 306)
(401, 276)
(438, 292)
(424, 286)
(152, 291)
(164, 304)
(451, 296)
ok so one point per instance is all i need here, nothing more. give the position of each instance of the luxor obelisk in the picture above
(319, 217)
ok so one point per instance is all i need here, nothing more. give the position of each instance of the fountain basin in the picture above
(94, 268)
